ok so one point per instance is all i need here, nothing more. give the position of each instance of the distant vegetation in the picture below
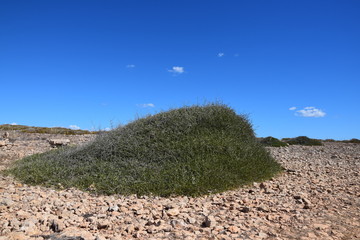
(272, 142)
(315, 142)
(191, 150)
(53, 130)
(302, 140)
(354, 140)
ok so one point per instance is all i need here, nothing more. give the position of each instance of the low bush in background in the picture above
(302, 140)
(272, 142)
(353, 140)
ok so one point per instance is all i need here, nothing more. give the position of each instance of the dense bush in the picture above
(302, 140)
(272, 142)
(187, 151)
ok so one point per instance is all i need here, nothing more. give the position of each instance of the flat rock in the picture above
(3, 143)
(173, 212)
(59, 142)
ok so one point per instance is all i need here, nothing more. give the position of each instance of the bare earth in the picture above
(317, 197)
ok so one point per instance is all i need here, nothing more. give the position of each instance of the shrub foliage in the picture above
(302, 140)
(272, 142)
(353, 140)
(191, 150)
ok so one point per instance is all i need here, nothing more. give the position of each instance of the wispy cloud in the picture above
(292, 108)
(13, 123)
(221, 54)
(310, 112)
(74, 127)
(177, 70)
(130, 66)
(145, 105)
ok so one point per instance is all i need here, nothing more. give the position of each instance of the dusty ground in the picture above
(317, 197)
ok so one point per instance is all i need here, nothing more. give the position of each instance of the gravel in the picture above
(316, 197)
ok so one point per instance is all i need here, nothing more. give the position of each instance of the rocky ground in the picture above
(317, 197)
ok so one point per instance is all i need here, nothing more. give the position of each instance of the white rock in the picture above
(173, 212)
(59, 142)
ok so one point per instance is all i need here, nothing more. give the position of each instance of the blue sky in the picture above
(292, 66)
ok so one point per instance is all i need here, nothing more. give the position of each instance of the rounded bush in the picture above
(272, 142)
(302, 140)
(353, 140)
(191, 150)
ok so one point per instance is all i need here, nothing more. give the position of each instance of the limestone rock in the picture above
(59, 142)
(3, 143)
(6, 135)
(173, 212)
(209, 221)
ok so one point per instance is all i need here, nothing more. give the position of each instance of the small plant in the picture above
(192, 151)
(302, 140)
(272, 142)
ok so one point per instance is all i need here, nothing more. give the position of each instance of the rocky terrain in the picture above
(316, 197)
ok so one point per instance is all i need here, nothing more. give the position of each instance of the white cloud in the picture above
(130, 66)
(13, 123)
(74, 127)
(221, 54)
(107, 129)
(310, 112)
(292, 108)
(145, 105)
(177, 70)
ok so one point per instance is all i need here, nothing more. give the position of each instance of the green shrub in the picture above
(353, 140)
(302, 140)
(187, 151)
(272, 142)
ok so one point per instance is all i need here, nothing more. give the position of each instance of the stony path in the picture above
(317, 197)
